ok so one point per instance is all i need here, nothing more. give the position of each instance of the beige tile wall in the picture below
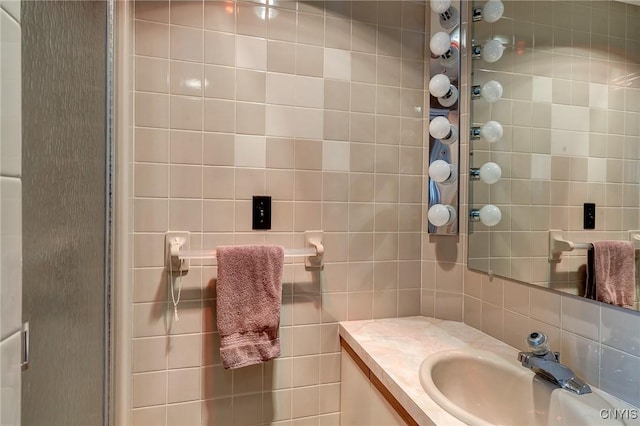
(571, 114)
(318, 104)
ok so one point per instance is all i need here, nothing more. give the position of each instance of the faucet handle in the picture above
(538, 343)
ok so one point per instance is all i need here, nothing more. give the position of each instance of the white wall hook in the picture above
(174, 244)
(314, 239)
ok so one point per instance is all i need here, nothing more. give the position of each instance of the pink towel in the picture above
(615, 272)
(249, 290)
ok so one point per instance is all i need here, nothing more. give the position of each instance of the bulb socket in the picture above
(476, 15)
(450, 18)
(475, 133)
(474, 174)
(476, 51)
(476, 92)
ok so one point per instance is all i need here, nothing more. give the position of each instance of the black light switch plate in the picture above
(589, 216)
(261, 212)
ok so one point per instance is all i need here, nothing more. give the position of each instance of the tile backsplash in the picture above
(317, 104)
(600, 343)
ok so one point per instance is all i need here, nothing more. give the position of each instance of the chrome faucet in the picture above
(546, 364)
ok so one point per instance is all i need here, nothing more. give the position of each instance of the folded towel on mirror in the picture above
(614, 272)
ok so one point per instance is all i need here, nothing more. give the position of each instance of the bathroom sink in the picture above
(482, 388)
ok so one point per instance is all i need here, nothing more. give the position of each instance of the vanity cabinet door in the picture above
(361, 403)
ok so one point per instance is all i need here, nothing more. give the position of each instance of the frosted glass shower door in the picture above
(65, 211)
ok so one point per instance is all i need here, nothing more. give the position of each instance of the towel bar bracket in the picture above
(174, 243)
(557, 245)
(314, 239)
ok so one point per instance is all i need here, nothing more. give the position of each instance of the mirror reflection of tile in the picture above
(571, 113)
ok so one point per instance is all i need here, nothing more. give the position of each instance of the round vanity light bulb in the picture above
(490, 173)
(440, 215)
(439, 127)
(490, 215)
(439, 85)
(491, 91)
(449, 98)
(440, 43)
(492, 51)
(441, 171)
(492, 131)
(440, 6)
(492, 11)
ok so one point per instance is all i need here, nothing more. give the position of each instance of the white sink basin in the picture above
(482, 388)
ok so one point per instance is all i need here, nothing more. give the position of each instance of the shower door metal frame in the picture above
(109, 366)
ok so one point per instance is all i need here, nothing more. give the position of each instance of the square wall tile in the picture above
(149, 415)
(186, 113)
(251, 53)
(335, 156)
(149, 389)
(186, 78)
(309, 60)
(12, 7)
(151, 145)
(152, 39)
(10, 256)
(11, 379)
(250, 118)
(149, 354)
(619, 330)
(620, 375)
(219, 16)
(154, 10)
(184, 414)
(151, 110)
(581, 317)
(152, 75)
(582, 356)
(219, 48)
(545, 306)
(10, 96)
(187, 13)
(183, 385)
(337, 64)
(186, 44)
(250, 151)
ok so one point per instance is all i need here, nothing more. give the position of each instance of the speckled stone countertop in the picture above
(394, 348)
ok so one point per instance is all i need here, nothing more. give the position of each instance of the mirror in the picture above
(570, 114)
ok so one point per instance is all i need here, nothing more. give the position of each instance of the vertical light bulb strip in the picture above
(491, 91)
(442, 127)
